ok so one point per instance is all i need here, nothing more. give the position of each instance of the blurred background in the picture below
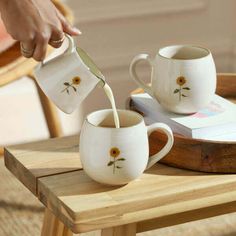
(113, 33)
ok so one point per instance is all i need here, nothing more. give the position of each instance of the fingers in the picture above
(57, 38)
(67, 27)
(27, 48)
(41, 46)
(37, 46)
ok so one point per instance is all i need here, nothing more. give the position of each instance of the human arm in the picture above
(35, 23)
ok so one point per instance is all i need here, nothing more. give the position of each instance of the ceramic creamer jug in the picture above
(67, 79)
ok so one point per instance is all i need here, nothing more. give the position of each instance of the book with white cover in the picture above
(217, 119)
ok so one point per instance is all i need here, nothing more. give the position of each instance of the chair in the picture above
(13, 66)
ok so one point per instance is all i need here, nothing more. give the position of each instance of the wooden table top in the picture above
(52, 171)
(31, 161)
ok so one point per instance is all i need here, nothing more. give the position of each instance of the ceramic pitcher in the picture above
(67, 79)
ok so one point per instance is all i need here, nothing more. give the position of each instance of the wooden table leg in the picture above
(124, 230)
(50, 113)
(53, 227)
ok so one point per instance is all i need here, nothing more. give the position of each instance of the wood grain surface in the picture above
(28, 162)
(53, 227)
(162, 196)
(85, 205)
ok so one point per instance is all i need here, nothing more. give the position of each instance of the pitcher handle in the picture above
(133, 73)
(71, 46)
(158, 156)
(69, 50)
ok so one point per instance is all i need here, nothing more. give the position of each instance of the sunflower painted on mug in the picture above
(181, 81)
(71, 85)
(115, 159)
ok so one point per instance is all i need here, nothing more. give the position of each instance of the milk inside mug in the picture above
(183, 77)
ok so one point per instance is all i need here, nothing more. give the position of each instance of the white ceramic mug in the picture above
(117, 156)
(183, 77)
(68, 78)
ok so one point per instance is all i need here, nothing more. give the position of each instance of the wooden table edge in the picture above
(13, 165)
(188, 216)
(195, 209)
(225, 204)
(25, 176)
(151, 222)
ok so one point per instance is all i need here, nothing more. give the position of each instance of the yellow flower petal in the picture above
(114, 152)
(76, 80)
(181, 80)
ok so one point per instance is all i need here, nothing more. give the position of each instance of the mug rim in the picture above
(184, 45)
(118, 110)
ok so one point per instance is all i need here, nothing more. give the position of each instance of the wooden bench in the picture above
(163, 196)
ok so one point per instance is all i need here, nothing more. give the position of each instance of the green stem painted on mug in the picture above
(180, 92)
(114, 166)
(68, 86)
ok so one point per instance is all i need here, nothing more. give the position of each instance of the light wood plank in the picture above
(165, 214)
(31, 161)
(187, 216)
(124, 230)
(48, 221)
(53, 227)
(83, 205)
(160, 192)
(67, 232)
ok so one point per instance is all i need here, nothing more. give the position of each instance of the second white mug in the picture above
(183, 77)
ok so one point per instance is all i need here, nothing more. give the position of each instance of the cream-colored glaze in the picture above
(99, 136)
(52, 75)
(193, 63)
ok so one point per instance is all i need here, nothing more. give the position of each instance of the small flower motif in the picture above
(75, 82)
(181, 80)
(114, 153)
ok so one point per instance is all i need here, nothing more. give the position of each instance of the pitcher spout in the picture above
(101, 81)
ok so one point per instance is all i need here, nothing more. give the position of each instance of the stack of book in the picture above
(217, 121)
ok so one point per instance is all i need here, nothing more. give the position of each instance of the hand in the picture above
(35, 23)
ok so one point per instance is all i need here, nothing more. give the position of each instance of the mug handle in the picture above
(69, 50)
(158, 156)
(133, 73)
